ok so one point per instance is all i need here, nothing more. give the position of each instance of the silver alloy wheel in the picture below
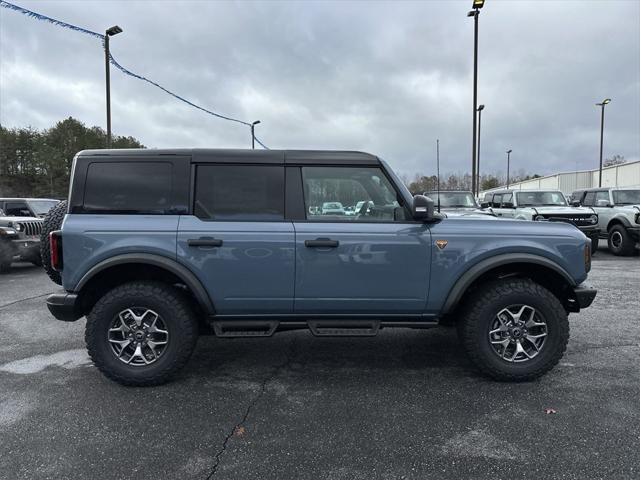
(138, 336)
(616, 239)
(517, 333)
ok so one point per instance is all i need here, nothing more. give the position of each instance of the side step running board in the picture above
(245, 328)
(344, 328)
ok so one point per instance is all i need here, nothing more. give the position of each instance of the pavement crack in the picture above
(252, 404)
(25, 299)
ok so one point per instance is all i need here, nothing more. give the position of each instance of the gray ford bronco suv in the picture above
(618, 216)
(157, 246)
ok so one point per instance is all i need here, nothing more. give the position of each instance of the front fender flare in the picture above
(473, 273)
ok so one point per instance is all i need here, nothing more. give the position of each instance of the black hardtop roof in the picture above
(243, 156)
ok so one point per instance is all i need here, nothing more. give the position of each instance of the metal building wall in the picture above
(625, 175)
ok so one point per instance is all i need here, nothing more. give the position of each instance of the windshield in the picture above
(42, 207)
(626, 197)
(539, 199)
(453, 199)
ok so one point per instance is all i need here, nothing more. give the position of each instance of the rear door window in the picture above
(589, 199)
(239, 192)
(128, 187)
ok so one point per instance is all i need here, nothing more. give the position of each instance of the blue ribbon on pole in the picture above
(113, 61)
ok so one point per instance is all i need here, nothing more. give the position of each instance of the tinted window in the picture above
(497, 199)
(589, 199)
(17, 209)
(239, 192)
(128, 187)
(507, 198)
(350, 194)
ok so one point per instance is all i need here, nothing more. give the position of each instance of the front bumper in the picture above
(64, 306)
(26, 248)
(582, 297)
(591, 232)
(634, 232)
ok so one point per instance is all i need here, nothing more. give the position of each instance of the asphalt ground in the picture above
(406, 404)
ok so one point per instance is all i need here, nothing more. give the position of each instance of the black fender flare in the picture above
(180, 271)
(473, 273)
(619, 219)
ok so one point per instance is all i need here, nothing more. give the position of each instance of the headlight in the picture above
(593, 218)
(638, 218)
(539, 218)
(18, 227)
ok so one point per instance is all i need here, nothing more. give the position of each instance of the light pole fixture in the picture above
(253, 135)
(604, 102)
(480, 108)
(110, 32)
(476, 5)
(508, 162)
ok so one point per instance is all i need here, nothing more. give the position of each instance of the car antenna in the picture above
(438, 171)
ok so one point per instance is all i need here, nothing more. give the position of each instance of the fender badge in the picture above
(441, 244)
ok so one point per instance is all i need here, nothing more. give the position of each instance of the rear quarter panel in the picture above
(89, 239)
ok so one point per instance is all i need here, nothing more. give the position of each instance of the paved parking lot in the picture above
(405, 404)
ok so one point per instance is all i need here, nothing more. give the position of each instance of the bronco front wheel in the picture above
(141, 333)
(514, 330)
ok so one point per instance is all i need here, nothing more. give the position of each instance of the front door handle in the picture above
(204, 242)
(321, 243)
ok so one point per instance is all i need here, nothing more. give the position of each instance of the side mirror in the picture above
(422, 208)
(575, 203)
(485, 205)
(603, 203)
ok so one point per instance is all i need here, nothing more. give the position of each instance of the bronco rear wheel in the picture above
(52, 221)
(514, 330)
(141, 333)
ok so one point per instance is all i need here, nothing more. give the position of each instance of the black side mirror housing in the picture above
(422, 208)
(575, 203)
(485, 205)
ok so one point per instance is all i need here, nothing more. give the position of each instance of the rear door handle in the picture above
(204, 242)
(321, 243)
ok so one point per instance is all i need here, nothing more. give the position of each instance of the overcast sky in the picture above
(387, 78)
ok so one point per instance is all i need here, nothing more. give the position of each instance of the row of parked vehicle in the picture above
(21, 222)
(611, 214)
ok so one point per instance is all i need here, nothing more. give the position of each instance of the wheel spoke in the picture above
(138, 354)
(519, 350)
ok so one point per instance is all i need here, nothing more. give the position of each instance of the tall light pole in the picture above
(253, 135)
(480, 108)
(604, 102)
(477, 5)
(110, 32)
(508, 162)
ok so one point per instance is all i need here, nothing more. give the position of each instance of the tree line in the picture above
(37, 163)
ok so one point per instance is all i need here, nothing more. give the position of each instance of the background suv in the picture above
(618, 215)
(544, 206)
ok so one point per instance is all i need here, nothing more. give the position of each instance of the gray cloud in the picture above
(388, 78)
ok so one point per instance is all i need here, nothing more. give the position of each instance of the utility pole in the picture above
(602, 105)
(477, 5)
(253, 135)
(110, 32)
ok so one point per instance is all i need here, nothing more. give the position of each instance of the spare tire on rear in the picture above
(52, 222)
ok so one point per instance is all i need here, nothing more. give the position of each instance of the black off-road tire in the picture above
(627, 245)
(6, 256)
(595, 241)
(481, 309)
(52, 222)
(176, 314)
